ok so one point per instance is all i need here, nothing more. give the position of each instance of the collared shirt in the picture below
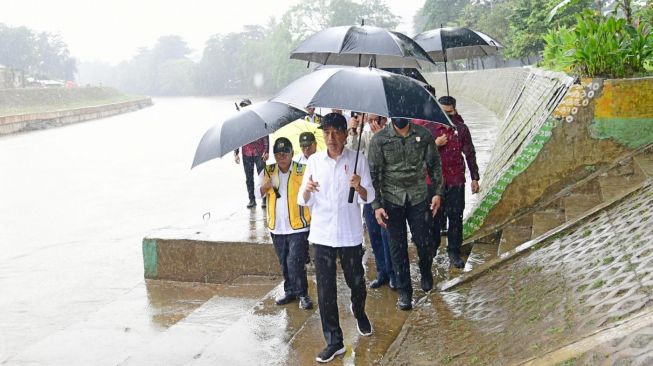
(315, 118)
(300, 158)
(334, 221)
(399, 165)
(282, 221)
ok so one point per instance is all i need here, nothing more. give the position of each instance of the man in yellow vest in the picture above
(287, 220)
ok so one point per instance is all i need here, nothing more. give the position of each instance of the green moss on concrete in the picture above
(150, 259)
(631, 132)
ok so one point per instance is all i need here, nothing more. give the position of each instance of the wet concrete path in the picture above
(74, 210)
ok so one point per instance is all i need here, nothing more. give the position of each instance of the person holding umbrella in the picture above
(378, 236)
(254, 155)
(397, 157)
(337, 230)
(288, 221)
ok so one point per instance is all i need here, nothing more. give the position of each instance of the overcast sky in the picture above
(112, 30)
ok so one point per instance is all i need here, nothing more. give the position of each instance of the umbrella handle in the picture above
(358, 149)
(351, 195)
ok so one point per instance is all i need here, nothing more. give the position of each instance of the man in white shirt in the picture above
(288, 221)
(311, 116)
(308, 145)
(337, 230)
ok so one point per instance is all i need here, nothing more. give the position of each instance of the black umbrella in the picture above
(456, 43)
(361, 46)
(250, 124)
(366, 90)
(410, 72)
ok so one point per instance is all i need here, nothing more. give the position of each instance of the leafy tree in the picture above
(436, 13)
(175, 77)
(529, 23)
(171, 47)
(44, 55)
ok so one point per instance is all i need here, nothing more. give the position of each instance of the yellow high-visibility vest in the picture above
(300, 216)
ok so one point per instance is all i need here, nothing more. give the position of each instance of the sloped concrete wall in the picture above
(41, 120)
(553, 133)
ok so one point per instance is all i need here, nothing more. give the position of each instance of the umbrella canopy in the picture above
(361, 46)
(366, 90)
(292, 131)
(410, 72)
(250, 124)
(456, 43)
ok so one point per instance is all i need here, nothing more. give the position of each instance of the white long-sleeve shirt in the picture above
(334, 221)
(282, 222)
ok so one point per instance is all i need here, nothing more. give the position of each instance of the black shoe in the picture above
(363, 324)
(378, 282)
(405, 301)
(427, 282)
(455, 260)
(286, 298)
(252, 203)
(263, 204)
(330, 352)
(305, 302)
(392, 285)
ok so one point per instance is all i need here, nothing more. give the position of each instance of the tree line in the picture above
(521, 24)
(42, 55)
(253, 60)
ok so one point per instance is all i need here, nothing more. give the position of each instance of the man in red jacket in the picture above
(452, 144)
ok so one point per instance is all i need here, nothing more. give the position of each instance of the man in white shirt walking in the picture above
(288, 221)
(337, 230)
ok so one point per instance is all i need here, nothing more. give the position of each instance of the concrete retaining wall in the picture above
(207, 261)
(553, 133)
(37, 121)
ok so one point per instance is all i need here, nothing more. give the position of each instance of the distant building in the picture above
(11, 78)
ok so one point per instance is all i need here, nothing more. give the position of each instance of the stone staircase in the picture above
(575, 202)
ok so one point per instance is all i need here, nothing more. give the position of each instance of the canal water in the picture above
(76, 201)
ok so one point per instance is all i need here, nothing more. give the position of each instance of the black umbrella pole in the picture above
(358, 150)
(446, 75)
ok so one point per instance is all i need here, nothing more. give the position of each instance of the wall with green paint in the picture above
(624, 112)
(552, 133)
(150, 260)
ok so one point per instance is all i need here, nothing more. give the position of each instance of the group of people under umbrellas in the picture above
(398, 157)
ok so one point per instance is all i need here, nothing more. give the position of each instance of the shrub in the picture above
(599, 46)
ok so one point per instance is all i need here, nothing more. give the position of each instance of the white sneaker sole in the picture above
(338, 352)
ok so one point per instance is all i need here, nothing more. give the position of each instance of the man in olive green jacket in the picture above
(400, 157)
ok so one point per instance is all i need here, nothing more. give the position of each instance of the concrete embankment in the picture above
(31, 109)
(554, 132)
(564, 228)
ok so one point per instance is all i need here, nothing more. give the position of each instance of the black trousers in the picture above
(351, 261)
(248, 164)
(292, 250)
(418, 218)
(452, 208)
